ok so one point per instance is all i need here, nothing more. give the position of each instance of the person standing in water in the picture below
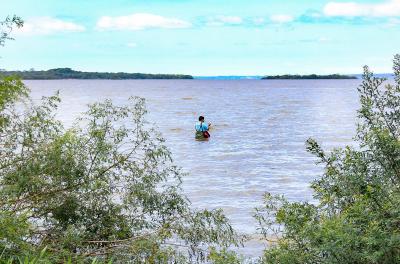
(202, 128)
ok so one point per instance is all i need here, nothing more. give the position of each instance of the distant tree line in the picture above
(68, 73)
(308, 77)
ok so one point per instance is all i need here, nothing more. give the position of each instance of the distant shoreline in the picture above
(67, 73)
(310, 77)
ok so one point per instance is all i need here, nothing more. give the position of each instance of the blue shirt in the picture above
(204, 127)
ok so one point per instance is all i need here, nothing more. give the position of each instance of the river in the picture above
(258, 138)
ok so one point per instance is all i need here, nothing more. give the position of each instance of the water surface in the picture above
(258, 137)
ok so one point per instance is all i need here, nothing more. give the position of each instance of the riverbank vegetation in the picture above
(308, 77)
(107, 191)
(357, 216)
(67, 73)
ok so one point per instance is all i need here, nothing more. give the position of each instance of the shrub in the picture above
(357, 218)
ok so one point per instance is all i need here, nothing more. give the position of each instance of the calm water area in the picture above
(257, 141)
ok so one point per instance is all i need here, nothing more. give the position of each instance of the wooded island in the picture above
(68, 73)
(307, 77)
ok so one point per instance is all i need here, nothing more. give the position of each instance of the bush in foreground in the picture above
(104, 190)
(357, 219)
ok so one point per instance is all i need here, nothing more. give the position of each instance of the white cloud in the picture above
(281, 18)
(389, 8)
(323, 39)
(48, 25)
(393, 22)
(225, 20)
(131, 45)
(140, 21)
(258, 20)
(231, 19)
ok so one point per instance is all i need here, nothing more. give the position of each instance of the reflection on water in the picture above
(257, 141)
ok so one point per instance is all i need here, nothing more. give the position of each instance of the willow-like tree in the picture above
(357, 218)
(6, 27)
(105, 188)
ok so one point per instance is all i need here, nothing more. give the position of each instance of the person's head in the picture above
(201, 118)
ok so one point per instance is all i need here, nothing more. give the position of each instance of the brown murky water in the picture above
(258, 136)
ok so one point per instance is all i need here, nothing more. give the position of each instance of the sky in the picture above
(204, 37)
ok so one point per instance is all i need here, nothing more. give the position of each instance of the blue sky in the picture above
(204, 37)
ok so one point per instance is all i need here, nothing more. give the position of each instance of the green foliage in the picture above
(7, 25)
(357, 219)
(12, 87)
(32, 259)
(67, 73)
(11, 90)
(105, 188)
(224, 256)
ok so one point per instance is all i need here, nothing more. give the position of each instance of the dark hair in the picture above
(201, 118)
